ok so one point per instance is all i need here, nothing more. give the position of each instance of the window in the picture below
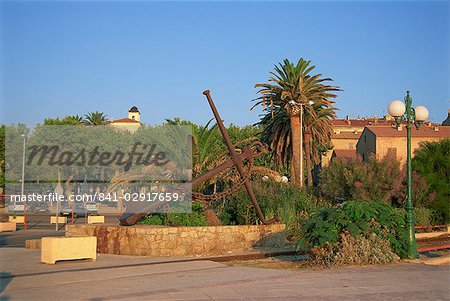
(391, 151)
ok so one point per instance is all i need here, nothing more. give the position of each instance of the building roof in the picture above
(346, 135)
(133, 109)
(344, 154)
(362, 122)
(446, 122)
(422, 132)
(125, 120)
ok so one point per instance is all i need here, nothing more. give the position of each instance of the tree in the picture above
(68, 120)
(432, 161)
(207, 148)
(290, 87)
(317, 137)
(74, 119)
(96, 118)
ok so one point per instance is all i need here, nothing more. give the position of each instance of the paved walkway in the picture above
(207, 280)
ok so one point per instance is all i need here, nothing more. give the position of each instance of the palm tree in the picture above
(317, 133)
(207, 147)
(68, 120)
(289, 87)
(73, 120)
(96, 118)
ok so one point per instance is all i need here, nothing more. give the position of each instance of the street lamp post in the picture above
(22, 188)
(408, 114)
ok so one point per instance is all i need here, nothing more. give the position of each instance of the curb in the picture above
(431, 261)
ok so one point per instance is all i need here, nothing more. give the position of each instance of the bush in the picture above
(380, 180)
(196, 218)
(326, 226)
(425, 216)
(291, 204)
(422, 216)
(354, 250)
(355, 179)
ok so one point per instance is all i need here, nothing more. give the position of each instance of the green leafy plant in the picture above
(326, 225)
(288, 202)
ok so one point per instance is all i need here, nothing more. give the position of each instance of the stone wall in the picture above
(179, 241)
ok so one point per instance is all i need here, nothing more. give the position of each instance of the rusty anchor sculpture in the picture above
(237, 160)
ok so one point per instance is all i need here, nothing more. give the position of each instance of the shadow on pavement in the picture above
(5, 279)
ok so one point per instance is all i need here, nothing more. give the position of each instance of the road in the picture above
(114, 277)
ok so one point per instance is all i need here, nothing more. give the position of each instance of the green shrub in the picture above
(290, 204)
(326, 225)
(196, 218)
(425, 216)
(383, 180)
(358, 180)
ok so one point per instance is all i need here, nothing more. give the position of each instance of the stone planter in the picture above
(19, 219)
(180, 241)
(96, 219)
(61, 219)
(68, 248)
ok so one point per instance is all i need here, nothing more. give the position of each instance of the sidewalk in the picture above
(109, 278)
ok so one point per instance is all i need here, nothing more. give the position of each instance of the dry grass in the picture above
(354, 251)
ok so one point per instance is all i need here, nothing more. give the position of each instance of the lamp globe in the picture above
(421, 113)
(396, 108)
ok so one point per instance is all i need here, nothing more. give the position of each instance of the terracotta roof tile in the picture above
(346, 135)
(423, 131)
(345, 153)
(360, 122)
(340, 122)
(125, 120)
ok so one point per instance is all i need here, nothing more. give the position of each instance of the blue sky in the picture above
(62, 58)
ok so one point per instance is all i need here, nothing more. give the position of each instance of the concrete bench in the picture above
(68, 248)
(20, 219)
(7, 226)
(61, 220)
(96, 219)
(33, 244)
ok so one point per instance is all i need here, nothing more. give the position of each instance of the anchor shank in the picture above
(234, 156)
